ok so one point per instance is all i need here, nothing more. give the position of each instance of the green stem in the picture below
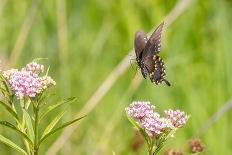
(151, 147)
(26, 146)
(159, 146)
(36, 131)
(19, 125)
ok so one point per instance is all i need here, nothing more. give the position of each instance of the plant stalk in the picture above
(36, 131)
(150, 151)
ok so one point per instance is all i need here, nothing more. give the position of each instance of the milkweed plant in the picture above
(154, 128)
(24, 93)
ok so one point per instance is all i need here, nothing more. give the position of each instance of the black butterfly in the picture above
(146, 55)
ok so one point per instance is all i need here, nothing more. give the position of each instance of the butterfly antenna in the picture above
(167, 83)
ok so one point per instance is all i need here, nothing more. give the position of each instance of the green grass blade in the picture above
(52, 107)
(53, 123)
(11, 126)
(59, 128)
(12, 144)
(10, 110)
(29, 125)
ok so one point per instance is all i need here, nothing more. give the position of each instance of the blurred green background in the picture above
(86, 39)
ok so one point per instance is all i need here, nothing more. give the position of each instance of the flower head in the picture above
(140, 109)
(153, 125)
(157, 128)
(177, 117)
(27, 82)
(196, 146)
(34, 67)
(7, 74)
(46, 81)
(143, 112)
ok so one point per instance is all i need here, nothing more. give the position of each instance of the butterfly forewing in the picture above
(139, 42)
(154, 43)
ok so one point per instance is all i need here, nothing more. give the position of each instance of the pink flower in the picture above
(177, 117)
(27, 82)
(143, 112)
(46, 81)
(153, 125)
(140, 109)
(34, 67)
(151, 122)
(7, 74)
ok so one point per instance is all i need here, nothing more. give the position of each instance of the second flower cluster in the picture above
(151, 121)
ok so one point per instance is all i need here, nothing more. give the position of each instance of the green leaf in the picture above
(29, 125)
(47, 71)
(141, 130)
(42, 97)
(12, 144)
(11, 126)
(10, 110)
(3, 91)
(171, 133)
(5, 83)
(38, 59)
(53, 123)
(59, 128)
(52, 107)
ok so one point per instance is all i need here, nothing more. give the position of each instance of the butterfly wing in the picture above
(156, 70)
(139, 42)
(158, 73)
(154, 43)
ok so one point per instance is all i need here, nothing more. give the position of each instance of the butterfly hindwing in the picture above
(158, 74)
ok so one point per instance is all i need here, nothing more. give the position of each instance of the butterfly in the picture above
(147, 58)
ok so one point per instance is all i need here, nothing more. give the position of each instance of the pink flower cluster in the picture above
(34, 67)
(148, 119)
(26, 82)
(139, 110)
(177, 117)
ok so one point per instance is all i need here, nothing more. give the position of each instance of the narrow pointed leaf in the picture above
(59, 128)
(50, 108)
(47, 71)
(10, 110)
(5, 83)
(42, 98)
(53, 123)
(12, 144)
(29, 125)
(4, 91)
(11, 126)
(141, 130)
(39, 59)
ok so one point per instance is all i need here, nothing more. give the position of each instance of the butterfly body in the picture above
(142, 67)
(147, 55)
